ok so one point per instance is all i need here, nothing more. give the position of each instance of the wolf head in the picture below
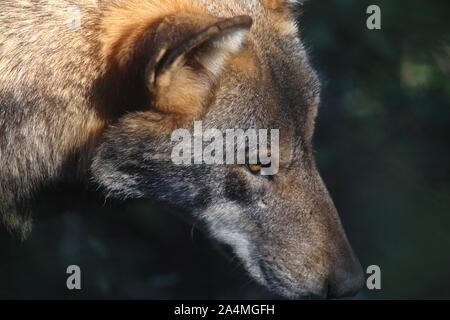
(232, 73)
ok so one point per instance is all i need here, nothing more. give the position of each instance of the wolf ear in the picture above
(191, 52)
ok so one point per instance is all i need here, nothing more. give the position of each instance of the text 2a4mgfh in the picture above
(257, 309)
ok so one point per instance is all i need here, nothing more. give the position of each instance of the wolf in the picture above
(90, 91)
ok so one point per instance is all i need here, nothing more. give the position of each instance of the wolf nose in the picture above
(346, 280)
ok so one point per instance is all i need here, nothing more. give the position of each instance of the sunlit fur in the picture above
(97, 103)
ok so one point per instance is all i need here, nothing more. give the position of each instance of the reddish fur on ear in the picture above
(168, 58)
(125, 21)
(183, 76)
(182, 91)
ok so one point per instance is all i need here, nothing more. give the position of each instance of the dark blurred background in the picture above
(382, 145)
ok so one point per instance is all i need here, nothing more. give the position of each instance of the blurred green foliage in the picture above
(383, 138)
(382, 145)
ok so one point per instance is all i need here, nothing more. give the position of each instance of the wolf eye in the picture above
(254, 168)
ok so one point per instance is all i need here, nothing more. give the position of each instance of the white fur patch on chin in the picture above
(223, 224)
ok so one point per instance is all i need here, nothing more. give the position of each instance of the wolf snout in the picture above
(344, 279)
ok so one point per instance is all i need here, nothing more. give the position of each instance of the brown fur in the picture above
(91, 71)
(99, 101)
(124, 22)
